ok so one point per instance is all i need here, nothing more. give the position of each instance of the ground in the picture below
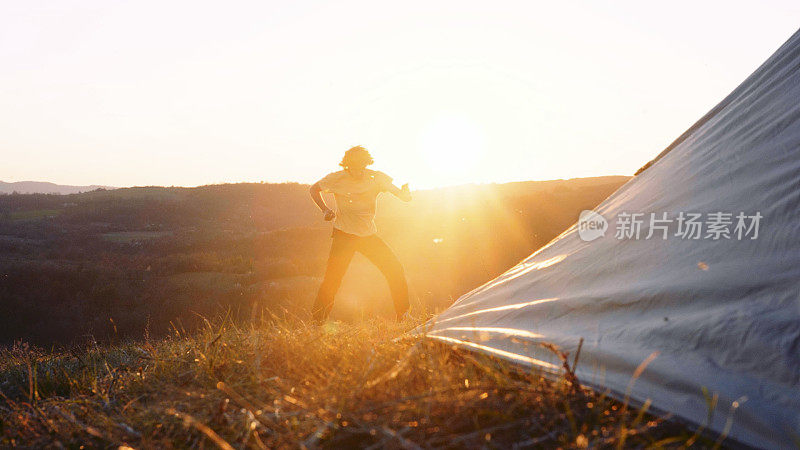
(280, 383)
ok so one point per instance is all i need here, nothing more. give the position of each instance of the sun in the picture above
(452, 145)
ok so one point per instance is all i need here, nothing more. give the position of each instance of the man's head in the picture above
(356, 160)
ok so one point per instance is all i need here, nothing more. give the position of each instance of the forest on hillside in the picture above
(109, 265)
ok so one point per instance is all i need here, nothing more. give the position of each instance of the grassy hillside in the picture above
(277, 383)
(108, 264)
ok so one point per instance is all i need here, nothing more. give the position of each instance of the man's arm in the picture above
(403, 193)
(316, 195)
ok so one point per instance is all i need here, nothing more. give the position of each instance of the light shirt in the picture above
(356, 199)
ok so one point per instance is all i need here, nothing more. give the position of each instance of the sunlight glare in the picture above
(453, 145)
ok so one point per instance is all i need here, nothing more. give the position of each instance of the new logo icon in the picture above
(591, 225)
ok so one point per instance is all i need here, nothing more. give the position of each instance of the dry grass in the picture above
(282, 384)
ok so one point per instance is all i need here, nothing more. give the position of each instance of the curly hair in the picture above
(356, 155)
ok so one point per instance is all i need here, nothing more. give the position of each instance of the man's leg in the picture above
(342, 249)
(384, 258)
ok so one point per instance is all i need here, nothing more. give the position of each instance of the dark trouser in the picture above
(343, 248)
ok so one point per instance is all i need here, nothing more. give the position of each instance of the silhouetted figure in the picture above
(356, 189)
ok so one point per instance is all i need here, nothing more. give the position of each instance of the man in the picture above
(356, 189)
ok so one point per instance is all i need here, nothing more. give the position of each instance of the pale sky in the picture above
(188, 93)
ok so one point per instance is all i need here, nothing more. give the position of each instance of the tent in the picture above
(690, 272)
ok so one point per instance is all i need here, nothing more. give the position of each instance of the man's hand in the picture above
(405, 193)
(316, 195)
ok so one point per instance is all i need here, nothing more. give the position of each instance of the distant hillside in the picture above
(43, 187)
(133, 262)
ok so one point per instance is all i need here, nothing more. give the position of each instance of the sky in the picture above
(186, 93)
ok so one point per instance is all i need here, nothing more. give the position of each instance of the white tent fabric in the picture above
(721, 315)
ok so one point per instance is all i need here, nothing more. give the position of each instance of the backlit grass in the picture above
(279, 383)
